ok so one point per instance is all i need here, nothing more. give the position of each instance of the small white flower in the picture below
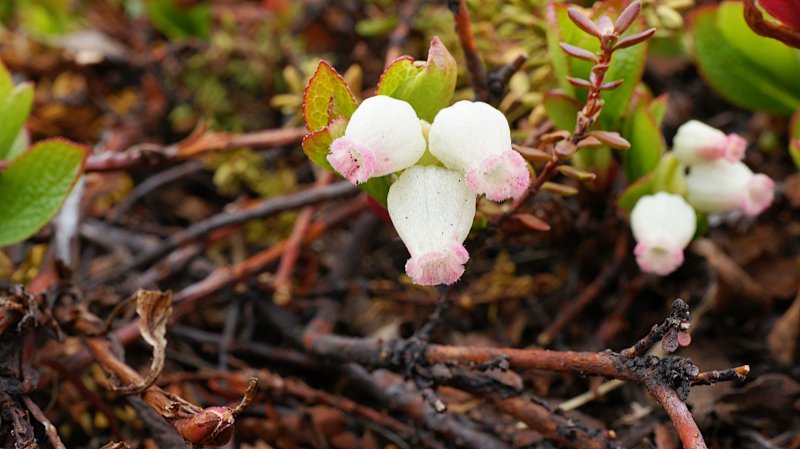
(383, 136)
(722, 186)
(697, 143)
(662, 224)
(474, 138)
(432, 211)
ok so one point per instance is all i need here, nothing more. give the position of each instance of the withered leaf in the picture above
(154, 309)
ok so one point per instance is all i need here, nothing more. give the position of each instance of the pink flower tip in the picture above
(734, 147)
(438, 267)
(759, 194)
(657, 258)
(353, 161)
(500, 177)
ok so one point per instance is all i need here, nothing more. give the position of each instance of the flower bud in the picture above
(474, 139)
(722, 186)
(662, 224)
(697, 143)
(212, 426)
(383, 136)
(432, 211)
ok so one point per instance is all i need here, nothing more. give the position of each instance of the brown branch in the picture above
(711, 377)
(263, 209)
(49, 428)
(477, 73)
(679, 414)
(498, 79)
(291, 251)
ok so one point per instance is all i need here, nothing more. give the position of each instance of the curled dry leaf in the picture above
(154, 309)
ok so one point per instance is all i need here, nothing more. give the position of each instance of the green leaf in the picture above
(317, 144)
(667, 177)
(658, 107)
(427, 87)
(561, 109)
(750, 71)
(6, 82)
(642, 130)
(14, 110)
(33, 187)
(377, 188)
(180, 22)
(20, 144)
(643, 186)
(326, 97)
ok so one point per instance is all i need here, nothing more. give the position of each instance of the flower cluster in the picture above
(718, 181)
(464, 153)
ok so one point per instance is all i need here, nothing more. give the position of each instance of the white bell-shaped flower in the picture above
(697, 143)
(474, 138)
(722, 186)
(383, 136)
(432, 211)
(662, 224)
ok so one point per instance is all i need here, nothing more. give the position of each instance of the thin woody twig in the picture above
(477, 73)
(263, 209)
(283, 276)
(49, 428)
(711, 377)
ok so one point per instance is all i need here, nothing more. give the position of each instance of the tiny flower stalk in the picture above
(383, 136)
(663, 225)
(722, 186)
(432, 211)
(697, 143)
(475, 139)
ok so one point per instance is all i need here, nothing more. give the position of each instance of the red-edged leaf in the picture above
(326, 97)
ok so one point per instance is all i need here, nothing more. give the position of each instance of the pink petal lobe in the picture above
(353, 161)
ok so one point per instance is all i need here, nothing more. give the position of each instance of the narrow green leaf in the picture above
(561, 109)
(643, 186)
(647, 142)
(779, 60)
(6, 82)
(326, 97)
(33, 187)
(745, 80)
(427, 87)
(180, 22)
(14, 110)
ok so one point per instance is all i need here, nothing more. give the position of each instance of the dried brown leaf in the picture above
(154, 309)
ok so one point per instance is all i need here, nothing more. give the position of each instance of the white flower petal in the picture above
(697, 143)
(722, 186)
(475, 139)
(432, 211)
(663, 225)
(383, 136)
